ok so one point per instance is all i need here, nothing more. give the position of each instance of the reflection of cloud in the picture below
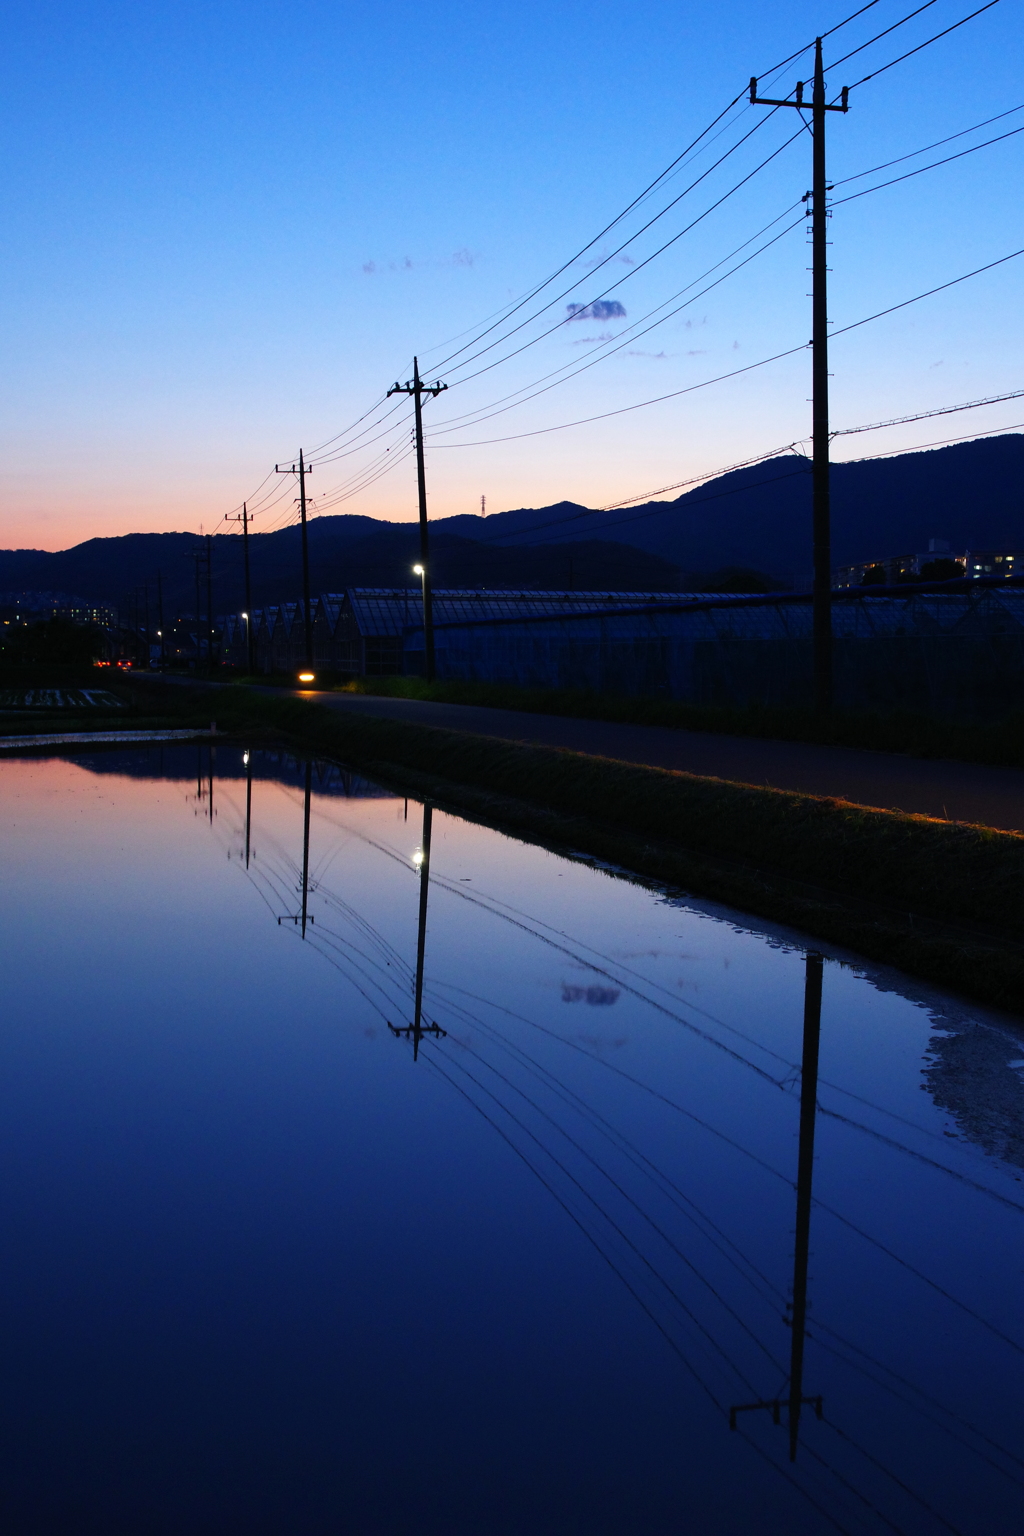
(585, 341)
(462, 258)
(601, 309)
(658, 355)
(597, 997)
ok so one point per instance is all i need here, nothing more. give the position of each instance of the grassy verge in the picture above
(916, 735)
(944, 901)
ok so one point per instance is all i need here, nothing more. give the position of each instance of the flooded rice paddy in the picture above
(365, 1169)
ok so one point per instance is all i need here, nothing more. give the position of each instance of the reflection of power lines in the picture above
(608, 1207)
(417, 1029)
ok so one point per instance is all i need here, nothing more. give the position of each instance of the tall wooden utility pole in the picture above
(244, 520)
(822, 609)
(302, 469)
(418, 389)
(160, 616)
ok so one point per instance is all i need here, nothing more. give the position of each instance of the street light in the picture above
(421, 572)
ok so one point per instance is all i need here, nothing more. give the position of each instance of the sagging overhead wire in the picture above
(734, 373)
(639, 267)
(879, 35)
(921, 169)
(927, 44)
(616, 344)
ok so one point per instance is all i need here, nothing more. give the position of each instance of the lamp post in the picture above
(428, 671)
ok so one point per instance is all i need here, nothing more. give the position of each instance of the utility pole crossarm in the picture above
(843, 105)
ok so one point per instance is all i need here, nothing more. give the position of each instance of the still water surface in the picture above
(269, 1264)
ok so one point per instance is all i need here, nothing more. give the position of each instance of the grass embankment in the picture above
(942, 900)
(916, 735)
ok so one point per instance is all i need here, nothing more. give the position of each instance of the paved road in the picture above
(954, 791)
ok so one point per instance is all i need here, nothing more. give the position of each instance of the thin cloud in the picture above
(601, 309)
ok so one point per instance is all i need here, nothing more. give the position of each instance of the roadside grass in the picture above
(916, 735)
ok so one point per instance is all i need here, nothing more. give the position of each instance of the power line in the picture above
(879, 35)
(944, 33)
(947, 160)
(639, 267)
(845, 180)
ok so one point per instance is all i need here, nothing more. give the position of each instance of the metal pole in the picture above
(160, 616)
(305, 565)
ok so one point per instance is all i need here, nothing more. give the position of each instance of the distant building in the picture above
(899, 569)
(362, 631)
(30, 607)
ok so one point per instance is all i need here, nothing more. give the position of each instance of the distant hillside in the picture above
(343, 552)
(970, 493)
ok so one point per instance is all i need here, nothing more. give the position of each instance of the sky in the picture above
(228, 229)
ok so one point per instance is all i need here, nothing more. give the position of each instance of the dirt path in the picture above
(954, 791)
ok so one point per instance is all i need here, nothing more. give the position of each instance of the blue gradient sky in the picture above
(195, 194)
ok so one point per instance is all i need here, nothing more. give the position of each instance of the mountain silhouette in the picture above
(971, 494)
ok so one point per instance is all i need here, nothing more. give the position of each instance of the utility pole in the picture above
(244, 520)
(209, 603)
(302, 470)
(418, 389)
(821, 517)
(160, 617)
(146, 598)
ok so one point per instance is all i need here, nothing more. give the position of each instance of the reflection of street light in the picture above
(417, 857)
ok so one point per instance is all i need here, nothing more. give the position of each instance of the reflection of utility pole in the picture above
(417, 1029)
(248, 804)
(300, 917)
(418, 389)
(805, 1173)
(305, 844)
(795, 1398)
(822, 620)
